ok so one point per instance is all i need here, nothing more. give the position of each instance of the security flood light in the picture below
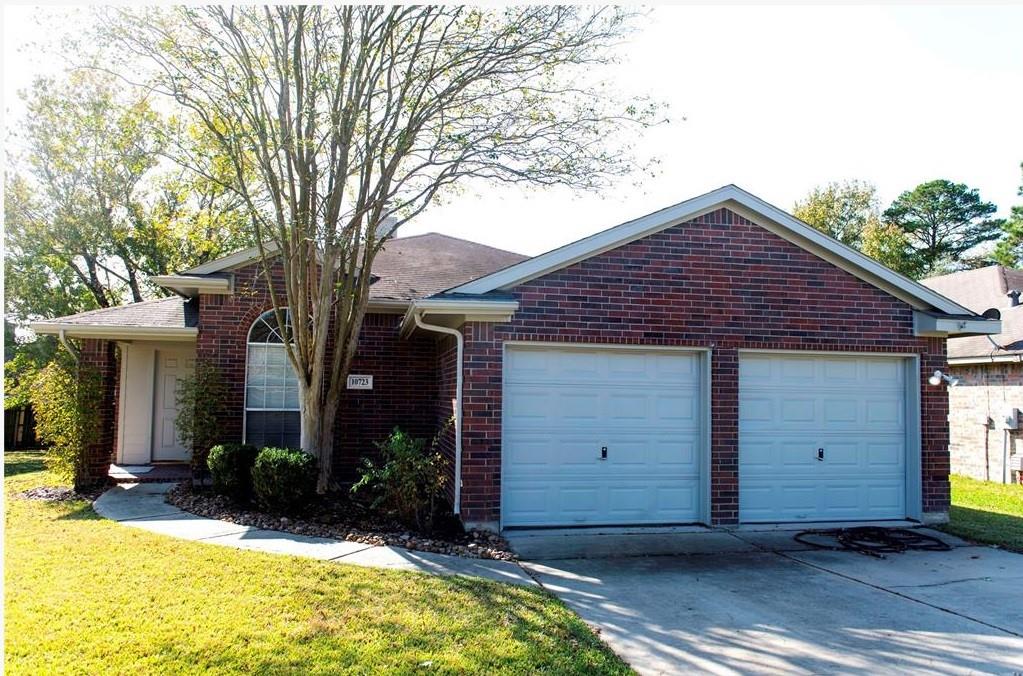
(938, 377)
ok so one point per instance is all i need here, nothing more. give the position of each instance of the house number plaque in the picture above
(360, 382)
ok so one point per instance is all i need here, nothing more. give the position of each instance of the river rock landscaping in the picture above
(336, 516)
(57, 494)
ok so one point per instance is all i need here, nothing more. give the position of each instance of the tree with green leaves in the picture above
(93, 206)
(841, 210)
(1009, 251)
(943, 221)
(336, 118)
(888, 244)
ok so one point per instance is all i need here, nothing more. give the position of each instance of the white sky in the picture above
(775, 99)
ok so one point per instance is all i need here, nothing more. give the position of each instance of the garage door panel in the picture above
(677, 409)
(886, 412)
(851, 407)
(644, 407)
(798, 410)
(886, 373)
(676, 456)
(651, 453)
(887, 455)
(537, 454)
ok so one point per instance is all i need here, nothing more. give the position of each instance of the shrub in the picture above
(231, 469)
(283, 479)
(66, 399)
(199, 399)
(409, 483)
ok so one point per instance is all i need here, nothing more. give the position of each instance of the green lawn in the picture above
(987, 512)
(86, 595)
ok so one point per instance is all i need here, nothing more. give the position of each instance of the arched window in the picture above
(272, 406)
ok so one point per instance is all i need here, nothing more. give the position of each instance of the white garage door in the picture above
(601, 436)
(821, 438)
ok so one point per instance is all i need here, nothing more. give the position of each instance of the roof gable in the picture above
(744, 204)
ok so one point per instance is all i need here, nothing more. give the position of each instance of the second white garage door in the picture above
(821, 438)
(598, 436)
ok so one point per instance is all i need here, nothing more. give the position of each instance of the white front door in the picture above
(598, 436)
(821, 438)
(172, 365)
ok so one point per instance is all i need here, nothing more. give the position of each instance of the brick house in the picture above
(714, 362)
(984, 422)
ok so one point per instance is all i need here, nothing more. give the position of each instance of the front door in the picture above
(172, 366)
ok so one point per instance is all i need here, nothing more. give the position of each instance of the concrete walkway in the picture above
(143, 506)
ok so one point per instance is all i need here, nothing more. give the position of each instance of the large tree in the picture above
(1009, 251)
(943, 221)
(337, 118)
(841, 210)
(888, 244)
(93, 204)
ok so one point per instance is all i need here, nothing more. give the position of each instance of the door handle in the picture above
(820, 454)
(603, 452)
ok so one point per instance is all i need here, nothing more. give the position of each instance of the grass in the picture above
(86, 595)
(988, 512)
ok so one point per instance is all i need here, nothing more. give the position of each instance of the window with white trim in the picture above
(272, 408)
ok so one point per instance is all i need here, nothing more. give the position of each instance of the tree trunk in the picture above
(317, 418)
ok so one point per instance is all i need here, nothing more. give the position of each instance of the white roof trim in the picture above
(108, 332)
(992, 359)
(925, 324)
(237, 259)
(193, 285)
(746, 205)
(460, 310)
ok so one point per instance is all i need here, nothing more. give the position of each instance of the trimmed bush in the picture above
(231, 469)
(283, 479)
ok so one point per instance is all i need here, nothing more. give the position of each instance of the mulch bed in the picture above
(58, 494)
(335, 516)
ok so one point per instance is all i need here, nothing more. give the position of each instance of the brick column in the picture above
(101, 357)
(724, 450)
(934, 430)
(481, 427)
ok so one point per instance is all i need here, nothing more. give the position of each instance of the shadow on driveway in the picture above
(766, 612)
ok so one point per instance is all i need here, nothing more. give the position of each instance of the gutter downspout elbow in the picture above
(67, 346)
(458, 399)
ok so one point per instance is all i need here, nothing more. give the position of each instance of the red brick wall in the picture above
(403, 370)
(403, 394)
(719, 282)
(444, 404)
(101, 356)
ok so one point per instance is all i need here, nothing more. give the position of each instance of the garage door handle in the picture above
(820, 454)
(603, 452)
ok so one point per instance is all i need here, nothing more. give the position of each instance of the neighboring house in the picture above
(714, 362)
(984, 417)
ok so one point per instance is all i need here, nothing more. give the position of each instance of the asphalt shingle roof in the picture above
(980, 290)
(173, 312)
(422, 265)
(405, 269)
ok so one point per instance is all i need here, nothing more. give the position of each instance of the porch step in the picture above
(140, 474)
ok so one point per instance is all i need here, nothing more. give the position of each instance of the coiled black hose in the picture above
(872, 540)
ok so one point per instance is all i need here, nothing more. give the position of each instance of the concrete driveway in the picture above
(760, 603)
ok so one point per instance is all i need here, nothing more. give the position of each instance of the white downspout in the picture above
(458, 400)
(63, 341)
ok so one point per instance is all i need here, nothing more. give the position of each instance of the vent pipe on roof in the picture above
(1013, 297)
